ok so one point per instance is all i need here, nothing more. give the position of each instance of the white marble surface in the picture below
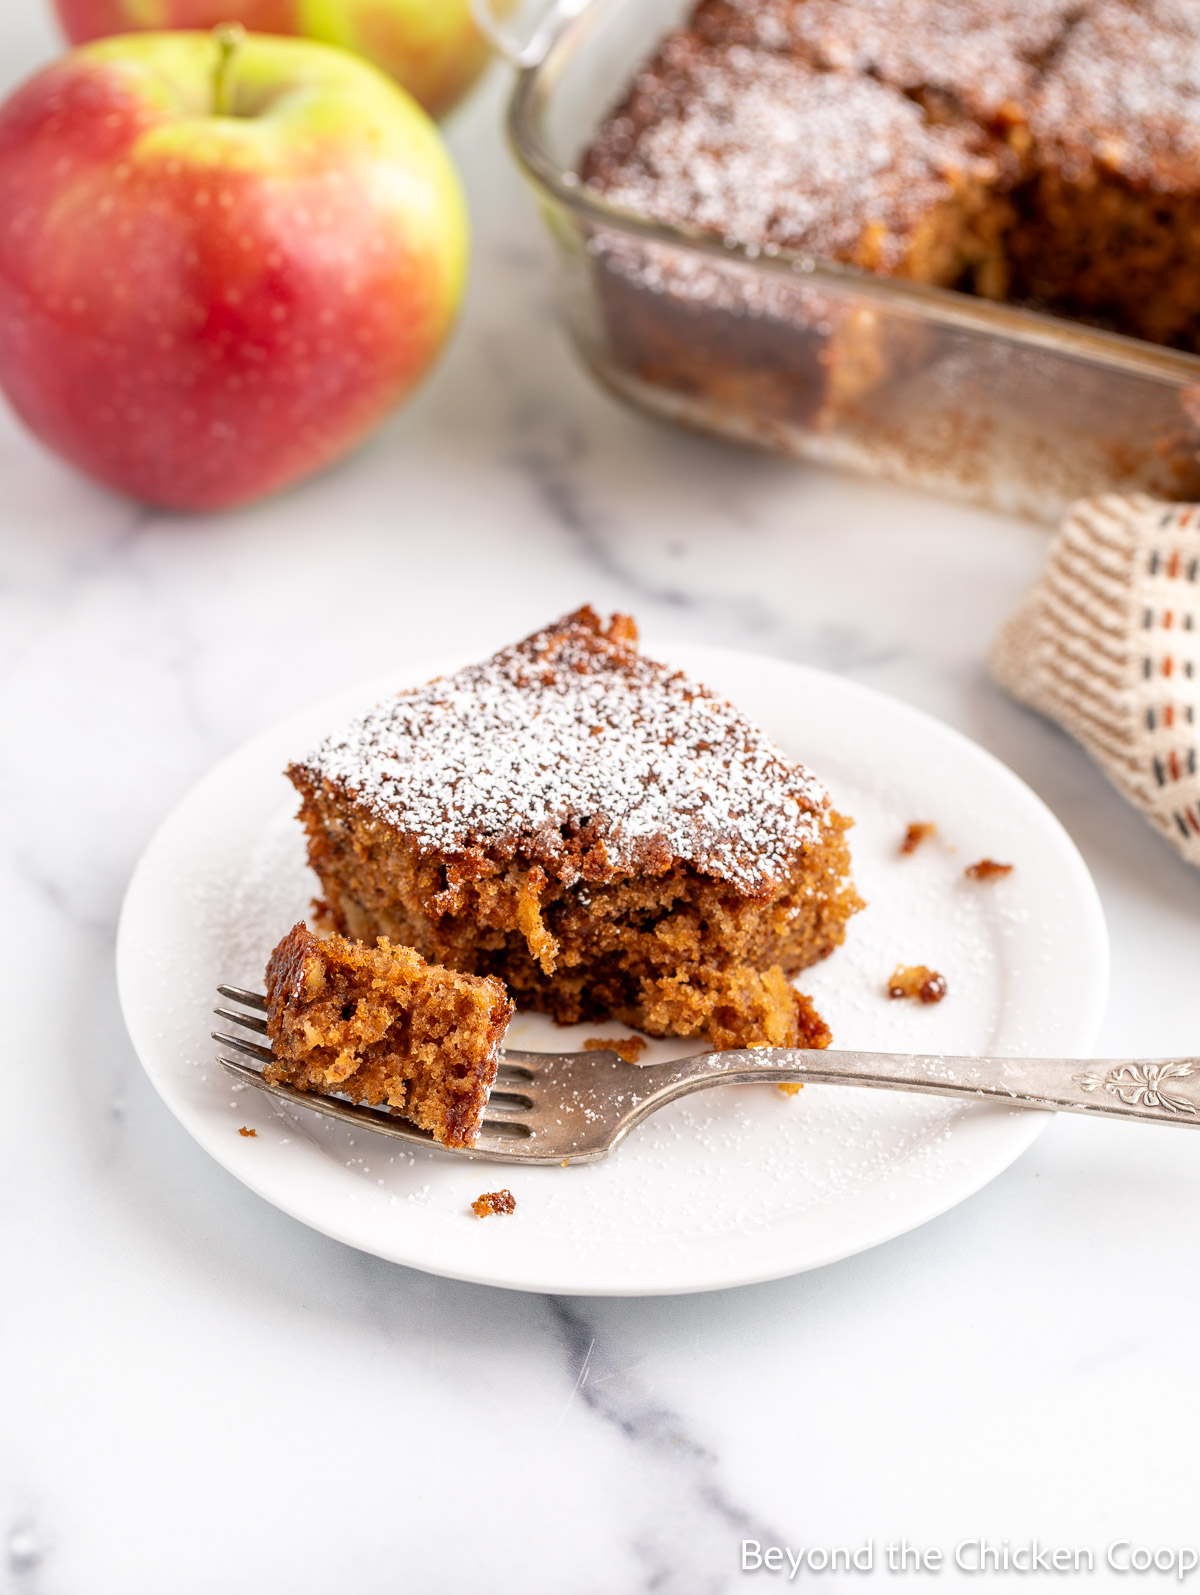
(201, 1395)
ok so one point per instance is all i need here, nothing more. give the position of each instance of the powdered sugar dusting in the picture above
(761, 149)
(578, 753)
(1127, 91)
(980, 53)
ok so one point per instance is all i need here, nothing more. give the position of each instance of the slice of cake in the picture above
(606, 836)
(767, 150)
(764, 150)
(382, 1026)
(1108, 228)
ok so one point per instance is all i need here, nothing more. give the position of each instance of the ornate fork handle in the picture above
(1113, 1087)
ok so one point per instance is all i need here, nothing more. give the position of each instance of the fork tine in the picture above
(329, 1107)
(249, 999)
(510, 1101)
(520, 1123)
(504, 1130)
(251, 1048)
(246, 1020)
(497, 1131)
(525, 1063)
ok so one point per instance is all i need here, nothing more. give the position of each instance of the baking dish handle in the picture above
(528, 46)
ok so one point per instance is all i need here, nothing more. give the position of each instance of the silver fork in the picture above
(575, 1107)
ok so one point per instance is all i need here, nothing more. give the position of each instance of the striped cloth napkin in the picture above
(1107, 643)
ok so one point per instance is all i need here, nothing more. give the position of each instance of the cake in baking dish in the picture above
(608, 837)
(766, 149)
(380, 1025)
(1042, 151)
(1107, 226)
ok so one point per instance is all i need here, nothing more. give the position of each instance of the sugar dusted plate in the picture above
(737, 1184)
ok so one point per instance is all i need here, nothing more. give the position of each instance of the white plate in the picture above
(740, 1183)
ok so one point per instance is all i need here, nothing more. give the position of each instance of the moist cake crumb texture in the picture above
(494, 1202)
(381, 1026)
(605, 836)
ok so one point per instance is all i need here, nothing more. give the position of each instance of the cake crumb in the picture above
(494, 1202)
(245, 1131)
(987, 870)
(630, 1048)
(791, 1087)
(915, 980)
(916, 833)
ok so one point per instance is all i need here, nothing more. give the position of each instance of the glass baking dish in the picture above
(926, 386)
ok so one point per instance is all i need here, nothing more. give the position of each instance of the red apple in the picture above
(431, 47)
(215, 280)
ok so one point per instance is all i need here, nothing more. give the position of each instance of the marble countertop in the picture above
(201, 1394)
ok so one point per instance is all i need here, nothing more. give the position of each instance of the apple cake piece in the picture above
(380, 1025)
(770, 151)
(1108, 222)
(607, 837)
(766, 150)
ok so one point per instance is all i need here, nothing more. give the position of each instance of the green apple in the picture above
(222, 261)
(431, 47)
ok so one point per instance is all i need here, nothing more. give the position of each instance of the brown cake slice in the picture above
(382, 1026)
(978, 60)
(768, 150)
(1042, 150)
(606, 836)
(764, 150)
(1108, 229)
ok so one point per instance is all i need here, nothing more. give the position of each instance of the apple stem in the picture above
(229, 37)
